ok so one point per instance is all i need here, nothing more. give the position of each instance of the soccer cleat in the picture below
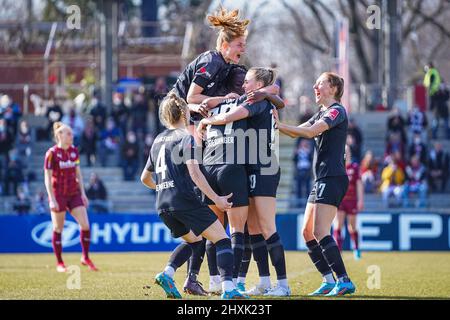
(324, 289)
(342, 288)
(88, 262)
(357, 254)
(215, 288)
(168, 285)
(234, 295)
(60, 267)
(278, 291)
(240, 286)
(258, 290)
(194, 287)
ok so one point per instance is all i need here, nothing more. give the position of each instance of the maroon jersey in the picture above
(353, 177)
(63, 164)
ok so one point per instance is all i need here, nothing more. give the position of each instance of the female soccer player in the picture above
(174, 161)
(351, 204)
(328, 127)
(64, 184)
(264, 174)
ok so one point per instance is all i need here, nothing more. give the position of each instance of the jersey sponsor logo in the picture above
(43, 232)
(332, 114)
(67, 164)
(209, 86)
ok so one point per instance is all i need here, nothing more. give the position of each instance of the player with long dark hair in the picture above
(329, 129)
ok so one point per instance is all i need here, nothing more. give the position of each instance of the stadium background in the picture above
(43, 64)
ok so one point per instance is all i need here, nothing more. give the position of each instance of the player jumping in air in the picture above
(64, 184)
(328, 127)
(174, 160)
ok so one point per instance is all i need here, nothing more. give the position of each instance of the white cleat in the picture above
(278, 291)
(60, 267)
(215, 288)
(257, 291)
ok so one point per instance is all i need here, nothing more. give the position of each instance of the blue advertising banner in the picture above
(136, 232)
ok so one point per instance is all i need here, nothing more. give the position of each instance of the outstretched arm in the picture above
(305, 130)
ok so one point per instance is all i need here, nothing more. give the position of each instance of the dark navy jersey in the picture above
(208, 71)
(329, 155)
(226, 144)
(174, 186)
(262, 124)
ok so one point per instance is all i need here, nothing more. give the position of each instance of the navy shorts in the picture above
(262, 185)
(181, 222)
(329, 190)
(228, 178)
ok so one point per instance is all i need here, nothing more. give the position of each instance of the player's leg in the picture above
(352, 229)
(215, 285)
(245, 263)
(80, 214)
(323, 219)
(338, 226)
(266, 210)
(237, 217)
(315, 252)
(58, 219)
(216, 233)
(260, 252)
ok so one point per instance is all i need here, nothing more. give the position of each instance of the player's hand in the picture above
(222, 202)
(360, 205)
(201, 129)
(85, 200)
(53, 204)
(232, 95)
(256, 96)
(199, 108)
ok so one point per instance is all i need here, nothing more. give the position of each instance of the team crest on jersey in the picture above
(332, 114)
(73, 155)
(59, 155)
(203, 70)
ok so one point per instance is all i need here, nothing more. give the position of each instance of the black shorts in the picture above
(228, 178)
(263, 185)
(329, 190)
(181, 222)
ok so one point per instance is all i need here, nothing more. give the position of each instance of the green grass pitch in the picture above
(402, 275)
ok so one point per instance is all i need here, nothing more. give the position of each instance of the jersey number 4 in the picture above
(161, 166)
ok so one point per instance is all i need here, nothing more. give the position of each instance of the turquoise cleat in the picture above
(240, 287)
(357, 254)
(324, 289)
(168, 285)
(233, 295)
(342, 288)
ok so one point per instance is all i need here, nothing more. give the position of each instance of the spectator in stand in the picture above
(6, 143)
(416, 182)
(369, 172)
(156, 94)
(97, 195)
(139, 113)
(431, 81)
(417, 122)
(355, 132)
(130, 157)
(438, 166)
(120, 112)
(303, 159)
(14, 174)
(74, 121)
(396, 124)
(418, 148)
(394, 145)
(41, 203)
(148, 142)
(22, 203)
(54, 114)
(109, 142)
(10, 111)
(392, 178)
(89, 141)
(440, 109)
(99, 114)
(23, 142)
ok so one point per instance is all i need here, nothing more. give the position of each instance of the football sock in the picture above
(332, 255)
(260, 254)
(276, 252)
